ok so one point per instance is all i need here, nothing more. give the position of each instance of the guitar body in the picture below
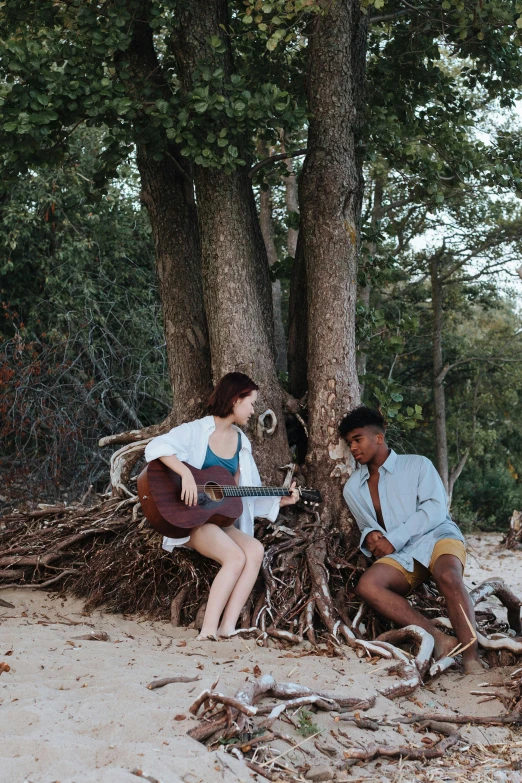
(159, 491)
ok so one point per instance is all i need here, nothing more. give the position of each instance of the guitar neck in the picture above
(255, 492)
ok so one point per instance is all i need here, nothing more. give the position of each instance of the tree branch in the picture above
(274, 159)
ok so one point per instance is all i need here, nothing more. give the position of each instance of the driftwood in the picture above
(513, 539)
(93, 636)
(169, 680)
(498, 641)
(498, 588)
(230, 715)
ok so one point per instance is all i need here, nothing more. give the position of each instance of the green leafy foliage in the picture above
(81, 339)
(305, 724)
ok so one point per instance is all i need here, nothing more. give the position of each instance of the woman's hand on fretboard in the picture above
(289, 500)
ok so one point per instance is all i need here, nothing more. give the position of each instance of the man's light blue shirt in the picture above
(413, 505)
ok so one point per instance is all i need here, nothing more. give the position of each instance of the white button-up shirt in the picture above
(413, 504)
(188, 443)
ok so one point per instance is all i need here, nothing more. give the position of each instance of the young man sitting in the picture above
(400, 506)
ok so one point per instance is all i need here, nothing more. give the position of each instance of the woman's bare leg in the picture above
(211, 541)
(254, 551)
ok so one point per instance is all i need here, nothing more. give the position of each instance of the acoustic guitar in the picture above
(219, 498)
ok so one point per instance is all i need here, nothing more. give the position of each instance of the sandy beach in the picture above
(78, 711)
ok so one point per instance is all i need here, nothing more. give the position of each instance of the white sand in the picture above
(80, 712)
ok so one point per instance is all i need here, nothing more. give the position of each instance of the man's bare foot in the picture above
(472, 665)
(443, 644)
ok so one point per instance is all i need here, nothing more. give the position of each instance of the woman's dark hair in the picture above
(361, 417)
(232, 387)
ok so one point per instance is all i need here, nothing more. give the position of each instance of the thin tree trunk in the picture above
(457, 469)
(292, 203)
(236, 281)
(298, 326)
(330, 199)
(439, 397)
(297, 305)
(364, 293)
(266, 221)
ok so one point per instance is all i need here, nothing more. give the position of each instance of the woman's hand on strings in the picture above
(289, 500)
(189, 490)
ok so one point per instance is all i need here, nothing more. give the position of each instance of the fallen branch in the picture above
(440, 666)
(511, 718)
(404, 751)
(140, 774)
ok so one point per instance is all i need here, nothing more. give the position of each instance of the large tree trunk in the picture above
(236, 282)
(439, 397)
(167, 191)
(330, 200)
(178, 262)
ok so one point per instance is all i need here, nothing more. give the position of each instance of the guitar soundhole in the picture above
(213, 491)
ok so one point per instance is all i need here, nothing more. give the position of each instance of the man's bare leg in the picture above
(447, 572)
(383, 587)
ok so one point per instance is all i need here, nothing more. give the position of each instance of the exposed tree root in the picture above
(423, 640)
(108, 554)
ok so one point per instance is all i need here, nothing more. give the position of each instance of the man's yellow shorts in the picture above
(446, 546)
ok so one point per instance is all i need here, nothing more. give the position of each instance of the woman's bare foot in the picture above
(225, 634)
(206, 637)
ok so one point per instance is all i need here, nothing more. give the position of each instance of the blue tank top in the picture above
(231, 464)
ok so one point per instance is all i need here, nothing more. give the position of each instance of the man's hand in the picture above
(382, 548)
(371, 539)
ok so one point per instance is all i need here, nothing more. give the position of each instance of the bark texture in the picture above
(439, 397)
(364, 293)
(236, 282)
(330, 201)
(298, 325)
(266, 222)
(178, 264)
(167, 192)
(292, 203)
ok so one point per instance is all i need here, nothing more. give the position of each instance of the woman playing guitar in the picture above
(217, 440)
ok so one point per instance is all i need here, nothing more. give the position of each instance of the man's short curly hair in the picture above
(361, 417)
